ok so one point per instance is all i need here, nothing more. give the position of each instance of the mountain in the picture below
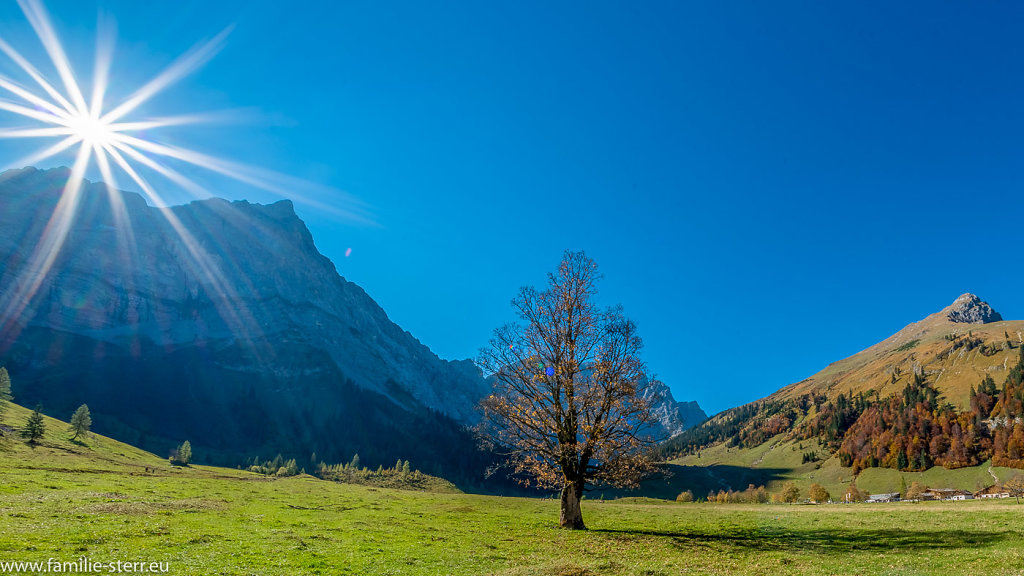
(945, 390)
(926, 346)
(220, 322)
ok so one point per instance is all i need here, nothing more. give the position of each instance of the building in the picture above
(993, 491)
(945, 494)
(891, 497)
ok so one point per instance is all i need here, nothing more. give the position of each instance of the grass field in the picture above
(63, 500)
(778, 461)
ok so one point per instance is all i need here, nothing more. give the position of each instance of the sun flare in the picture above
(82, 122)
(105, 133)
(93, 131)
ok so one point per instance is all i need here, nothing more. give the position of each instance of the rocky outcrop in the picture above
(673, 417)
(969, 309)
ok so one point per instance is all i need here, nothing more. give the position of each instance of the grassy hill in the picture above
(97, 500)
(779, 461)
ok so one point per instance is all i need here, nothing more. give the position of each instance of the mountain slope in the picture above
(926, 345)
(943, 391)
(220, 322)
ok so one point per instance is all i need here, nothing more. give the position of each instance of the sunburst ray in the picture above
(106, 132)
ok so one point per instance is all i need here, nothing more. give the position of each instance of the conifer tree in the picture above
(5, 390)
(5, 385)
(182, 455)
(34, 426)
(81, 422)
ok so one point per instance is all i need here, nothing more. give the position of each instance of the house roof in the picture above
(993, 489)
(950, 491)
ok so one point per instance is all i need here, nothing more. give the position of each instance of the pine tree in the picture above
(5, 385)
(290, 468)
(5, 390)
(182, 455)
(354, 464)
(34, 426)
(903, 487)
(81, 421)
(406, 471)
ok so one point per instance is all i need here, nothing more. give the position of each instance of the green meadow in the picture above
(110, 502)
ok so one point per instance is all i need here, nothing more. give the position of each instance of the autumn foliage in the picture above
(572, 400)
(912, 430)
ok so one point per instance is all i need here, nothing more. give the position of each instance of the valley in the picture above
(107, 501)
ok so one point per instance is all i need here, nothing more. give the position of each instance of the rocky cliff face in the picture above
(221, 320)
(674, 417)
(239, 272)
(969, 309)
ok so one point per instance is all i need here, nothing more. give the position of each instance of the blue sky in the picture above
(768, 187)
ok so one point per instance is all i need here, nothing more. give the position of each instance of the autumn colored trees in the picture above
(572, 400)
(912, 430)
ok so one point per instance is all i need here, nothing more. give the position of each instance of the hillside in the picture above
(945, 393)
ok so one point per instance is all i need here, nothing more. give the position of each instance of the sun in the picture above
(66, 112)
(92, 131)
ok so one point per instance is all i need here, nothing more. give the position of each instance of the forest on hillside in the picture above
(911, 430)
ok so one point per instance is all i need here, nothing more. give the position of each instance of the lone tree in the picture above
(182, 455)
(34, 426)
(1015, 486)
(81, 421)
(572, 400)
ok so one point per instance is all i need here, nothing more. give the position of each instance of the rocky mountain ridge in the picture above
(224, 305)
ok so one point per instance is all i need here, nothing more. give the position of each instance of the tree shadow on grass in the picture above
(827, 541)
(674, 478)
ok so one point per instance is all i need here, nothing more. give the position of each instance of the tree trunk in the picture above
(571, 516)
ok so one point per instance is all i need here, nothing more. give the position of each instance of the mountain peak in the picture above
(969, 309)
